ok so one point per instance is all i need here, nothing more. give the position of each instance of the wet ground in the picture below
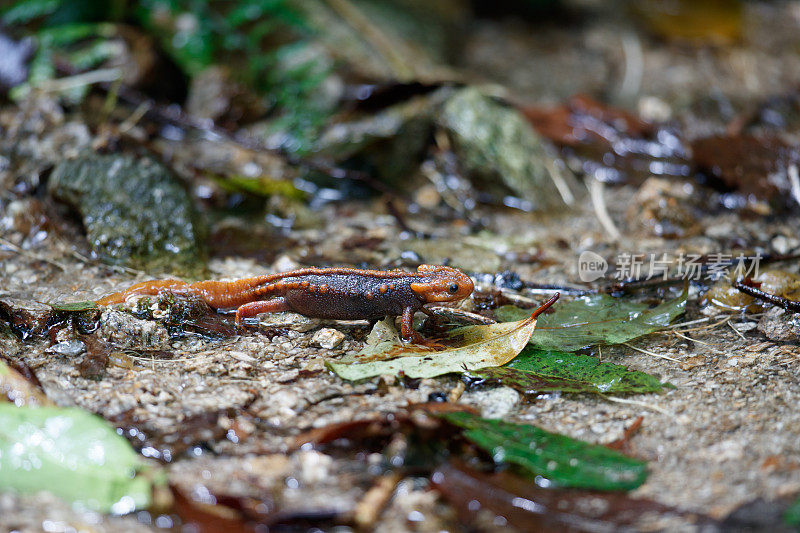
(726, 435)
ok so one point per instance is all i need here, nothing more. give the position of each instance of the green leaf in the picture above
(550, 370)
(792, 515)
(596, 319)
(74, 307)
(27, 10)
(480, 346)
(72, 454)
(553, 459)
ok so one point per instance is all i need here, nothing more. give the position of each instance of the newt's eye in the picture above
(453, 288)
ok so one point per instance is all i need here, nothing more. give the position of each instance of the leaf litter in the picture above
(479, 347)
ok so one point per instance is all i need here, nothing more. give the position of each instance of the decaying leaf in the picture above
(552, 459)
(596, 319)
(537, 371)
(479, 347)
(72, 454)
(527, 507)
(17, 389)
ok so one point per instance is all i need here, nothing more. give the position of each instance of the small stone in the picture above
(70, 348)
(665, 208)
(780, 325)
(314, 466)
(241, 356)
(288, 320)
(328, 338)
(126, 331)
(782, 245)
(285, 263)
(744, 326)
(493, 403)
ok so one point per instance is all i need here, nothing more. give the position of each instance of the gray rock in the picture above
(328, 338)
(496, 146)
(134, 210)
(126, 331)
(70, 348)
(780, 325)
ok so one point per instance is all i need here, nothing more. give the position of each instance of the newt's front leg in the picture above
(409, 334)
(249, 310)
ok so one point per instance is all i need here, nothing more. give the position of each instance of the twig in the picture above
(634, 65)
(787, 304)
(737, 331)
(596, 188)
(368, 510)
(386, 48)
(79, 80)
(31, 255)
(647, 352)
(556, 171)
(794, 179)
(640, 404)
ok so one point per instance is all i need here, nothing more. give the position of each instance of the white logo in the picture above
(591, 266)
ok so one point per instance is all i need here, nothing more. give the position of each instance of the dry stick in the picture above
(596, 188)
(647, 352)
(710, 346)
(368, 510)
(736, 330)
(640, 404)
(780, 301)
(25, 253)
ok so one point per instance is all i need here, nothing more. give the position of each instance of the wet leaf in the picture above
(611, 144)
(527, 507)
(73, 307)
(72, 454)
(536, 371)
(169, 444)
(792, 515)
(753, 166)
(596, 319)
(18, 389)
(553, 459)
(481, 346)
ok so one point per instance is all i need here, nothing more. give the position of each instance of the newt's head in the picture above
(442, 284)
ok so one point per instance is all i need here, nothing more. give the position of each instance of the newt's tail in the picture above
(146, 288)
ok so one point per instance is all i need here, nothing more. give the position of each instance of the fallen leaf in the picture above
(792, 514)
(596, 319)
(611, 144)
(19, 390)
(480, 347)
(751, 165)
(536, 371)
(169, 444)
(74, 455)
(553, 460)
(526, 507)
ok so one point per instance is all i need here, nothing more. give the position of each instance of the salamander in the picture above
(335, 293)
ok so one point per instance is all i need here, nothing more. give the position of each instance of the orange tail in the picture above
(151, 288)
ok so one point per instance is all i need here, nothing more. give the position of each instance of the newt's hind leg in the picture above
(146, 288)
(249, 310)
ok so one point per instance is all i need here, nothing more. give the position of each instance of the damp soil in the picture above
(226, 409)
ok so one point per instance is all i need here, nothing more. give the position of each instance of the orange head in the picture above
(442, 284)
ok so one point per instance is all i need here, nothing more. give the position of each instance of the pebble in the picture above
(328, 338)
(314, 466)
(494, 403)
(291, 320)
(69, 348)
